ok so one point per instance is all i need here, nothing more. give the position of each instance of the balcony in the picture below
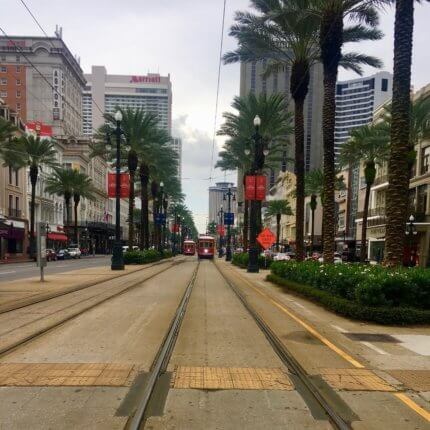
(380, 180)
(374, 212)
(14, 213)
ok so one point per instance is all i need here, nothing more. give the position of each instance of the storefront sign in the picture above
(38, 128)
(124, 185)
(145, 79)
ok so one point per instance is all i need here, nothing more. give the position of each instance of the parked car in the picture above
(337, 259)
(74, 252)
(281, 256)
(125, 248)
(51, 255)
(63, 254)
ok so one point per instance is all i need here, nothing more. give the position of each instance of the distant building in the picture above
(356, 101)
(42, 81)
(103, 93)
(177, 146)
(216, 200)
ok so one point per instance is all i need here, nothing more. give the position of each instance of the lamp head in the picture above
(161, 184)
(247, 151)
(411, 218)
(257, 121)
(118, 116)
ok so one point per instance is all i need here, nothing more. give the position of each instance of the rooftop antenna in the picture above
(58, 31)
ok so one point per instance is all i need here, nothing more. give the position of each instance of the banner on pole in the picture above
(220, 230)
(124, 185)
(255, 187)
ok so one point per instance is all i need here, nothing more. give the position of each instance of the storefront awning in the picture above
(57, 236)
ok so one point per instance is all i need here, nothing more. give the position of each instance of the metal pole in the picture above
(228, 253)
(221, 223)
(117, 257)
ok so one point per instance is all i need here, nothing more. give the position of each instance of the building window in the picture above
(3, 93)
(18, 68)
(10, 175)
(3, 58)
(18, 94)
(18, 82)
(18, 58)
(341, 224)
(18, 106)
(384, 85)
(17, 177)
(10, 203)
(425, 160)
(3, 69)
(17, 203)
(4, 81)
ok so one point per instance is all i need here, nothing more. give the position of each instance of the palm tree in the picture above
(369, 145)
(61, 184)
(286, 37)
(238, 127)
(7, 130)
(82, 188)
(314, 188)
(33, 152)
(363, 18)
(278, 208)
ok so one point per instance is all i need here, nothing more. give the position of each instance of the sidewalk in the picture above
(30, 290)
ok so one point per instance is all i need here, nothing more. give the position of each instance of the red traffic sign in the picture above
(266, 238)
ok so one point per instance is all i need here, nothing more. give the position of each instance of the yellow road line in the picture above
(417, 408)
(401, 396)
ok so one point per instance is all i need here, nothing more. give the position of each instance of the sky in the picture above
(180, 37)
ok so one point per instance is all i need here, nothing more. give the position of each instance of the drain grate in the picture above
(372, 337)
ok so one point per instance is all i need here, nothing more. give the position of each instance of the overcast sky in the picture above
(180, 37)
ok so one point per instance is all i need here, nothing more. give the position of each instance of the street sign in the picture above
(160, 219)
(41, 247)
(266, 238)
(228, 218)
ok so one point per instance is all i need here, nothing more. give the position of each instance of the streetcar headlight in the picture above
(206, 251)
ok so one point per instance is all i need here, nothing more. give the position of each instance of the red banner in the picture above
(220, 230)
(175, 228)
(260, 187)
(255, 187)
(124, 185)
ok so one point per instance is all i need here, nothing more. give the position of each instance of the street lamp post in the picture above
(229, 195)
(160, 219)
(411, 232)
(259, 154)
(221, 223)
(165, 206)
(117, 257)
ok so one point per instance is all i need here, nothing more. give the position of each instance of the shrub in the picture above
(242, 260)
(143, 257)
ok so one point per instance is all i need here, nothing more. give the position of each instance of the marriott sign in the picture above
(145, 79)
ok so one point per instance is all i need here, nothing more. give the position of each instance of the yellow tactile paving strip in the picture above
(418, 380)
(231, 378)
(355, 380)
(65, 374)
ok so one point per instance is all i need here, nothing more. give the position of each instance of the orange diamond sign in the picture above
(266, 238)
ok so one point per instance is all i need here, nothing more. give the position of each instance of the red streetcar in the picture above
(189, 247)
(206, 247)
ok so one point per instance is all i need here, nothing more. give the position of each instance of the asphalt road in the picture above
(12, 272)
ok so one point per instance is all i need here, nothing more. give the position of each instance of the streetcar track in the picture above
(162, 358)
(26, 302)
(38, 333)
(311, 390)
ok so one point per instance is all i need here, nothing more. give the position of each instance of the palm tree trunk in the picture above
(76, 201)
(331, 31)
(398, 172)
(245, 225)
(67, 209)
(312, 230)
(144, 179)
(299, 140)
(278, 230)
(131, 211)
(363, 249)
(34, 171)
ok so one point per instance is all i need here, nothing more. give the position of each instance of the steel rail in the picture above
(288, 359)
(162, 359)
(13, 346)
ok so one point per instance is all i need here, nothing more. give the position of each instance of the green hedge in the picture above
(145, 257)
(372, 293)
(241, 260)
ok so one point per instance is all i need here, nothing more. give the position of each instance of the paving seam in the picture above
(15, 345)
(48, 296)
(307, 384)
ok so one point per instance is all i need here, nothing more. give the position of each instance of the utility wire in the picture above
(217, 89)
(50, 41)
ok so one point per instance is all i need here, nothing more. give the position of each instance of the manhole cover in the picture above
(417, 380)
(372, 337)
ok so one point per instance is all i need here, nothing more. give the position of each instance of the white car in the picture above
(281, 256)
(337, 260)
(125, 248)
(74, 252)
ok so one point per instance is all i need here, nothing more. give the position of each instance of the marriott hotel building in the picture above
(104, 93)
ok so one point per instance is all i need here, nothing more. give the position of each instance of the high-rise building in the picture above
(252, 80)
(103, 93)
(177, 146)
(217, 199)
(356, 101)
(42, 81)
